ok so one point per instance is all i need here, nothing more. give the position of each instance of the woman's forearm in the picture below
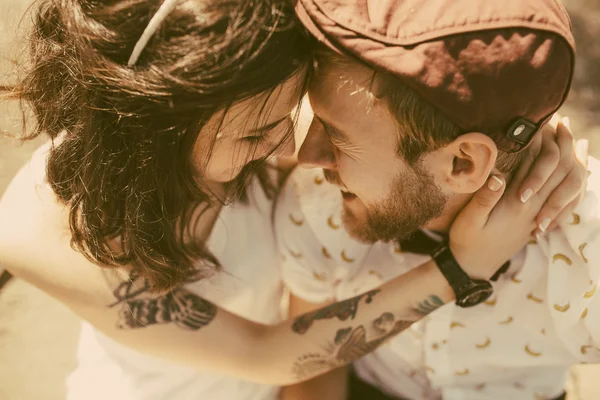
(295, 350)
(205, 337)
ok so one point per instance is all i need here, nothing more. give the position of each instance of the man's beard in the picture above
(414, 200)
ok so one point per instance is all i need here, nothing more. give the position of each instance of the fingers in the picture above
(553, 123)
(557, 151)
(565, 216)
(569, 191)
(478, 210)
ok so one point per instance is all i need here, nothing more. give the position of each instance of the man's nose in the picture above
(316, 150)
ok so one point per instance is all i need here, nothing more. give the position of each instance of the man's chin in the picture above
(361, 236)
(364, 232)
(359, 230)
(353, 225)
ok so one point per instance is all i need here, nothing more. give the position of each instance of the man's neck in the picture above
(453, 207)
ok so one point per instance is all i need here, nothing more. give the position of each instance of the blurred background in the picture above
(38, 335)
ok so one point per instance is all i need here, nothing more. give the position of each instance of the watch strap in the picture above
(449, 267)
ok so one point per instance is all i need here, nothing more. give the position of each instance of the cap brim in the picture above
(314, 30)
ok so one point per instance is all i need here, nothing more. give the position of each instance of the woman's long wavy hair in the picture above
(123, 161)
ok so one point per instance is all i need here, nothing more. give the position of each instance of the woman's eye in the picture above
(254, 139)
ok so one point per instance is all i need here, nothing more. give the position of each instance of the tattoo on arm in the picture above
(179, 306)
(342, 311)
(349, 345)
(429, 305)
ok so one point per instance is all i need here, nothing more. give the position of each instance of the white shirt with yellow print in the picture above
(544, 315)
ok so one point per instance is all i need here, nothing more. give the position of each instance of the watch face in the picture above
(477, 293)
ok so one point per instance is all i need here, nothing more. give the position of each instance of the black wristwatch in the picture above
(469, 292)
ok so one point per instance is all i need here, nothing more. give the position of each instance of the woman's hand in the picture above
(493, 227)
(558, 169)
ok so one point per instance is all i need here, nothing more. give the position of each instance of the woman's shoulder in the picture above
(28, 200)
(27, 195)
(35, 235)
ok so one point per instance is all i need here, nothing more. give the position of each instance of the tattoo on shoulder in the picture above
(429, 305)
(349, 345)
(342, 311)
(180, 306)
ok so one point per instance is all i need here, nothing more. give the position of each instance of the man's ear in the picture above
(471, 159)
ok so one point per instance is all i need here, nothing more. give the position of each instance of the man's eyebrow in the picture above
(269, 127)
(334, 132)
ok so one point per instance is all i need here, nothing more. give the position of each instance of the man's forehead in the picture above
(342, 100)
(345, 72)
(344, 84)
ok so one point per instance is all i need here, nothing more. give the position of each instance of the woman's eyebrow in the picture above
(269, 127)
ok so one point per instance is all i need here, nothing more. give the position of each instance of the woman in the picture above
(150, 210)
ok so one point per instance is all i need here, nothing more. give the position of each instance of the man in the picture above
(416, 105)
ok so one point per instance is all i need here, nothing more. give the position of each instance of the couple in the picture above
(150, 213)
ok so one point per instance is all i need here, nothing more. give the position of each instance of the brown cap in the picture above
(500, 67)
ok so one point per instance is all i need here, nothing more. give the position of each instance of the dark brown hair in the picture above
(123, 161)
(422, 128)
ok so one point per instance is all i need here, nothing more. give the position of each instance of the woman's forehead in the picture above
(270, 105)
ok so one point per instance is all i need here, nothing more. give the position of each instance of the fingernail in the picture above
(495, 183)
(526, 195)
(566, 122)
(544, 225)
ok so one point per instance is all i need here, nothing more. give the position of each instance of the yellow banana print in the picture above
(531, 352)
(591, 293)
(375, 274)
(297, 222)
(562, 257)
(585, 260)
(576, 219)
(331, 224)
(562, 308)
(531, 297)
(491, 303)
(346, 258)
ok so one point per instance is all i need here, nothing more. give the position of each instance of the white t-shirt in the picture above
(544, 315)
(249, 286)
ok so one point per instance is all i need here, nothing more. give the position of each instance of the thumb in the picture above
(478, 210)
